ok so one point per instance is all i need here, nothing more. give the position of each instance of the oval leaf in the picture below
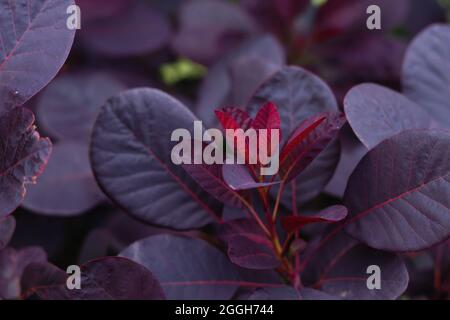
(7, 227)
(131, 158)
(376, 113)
(12, 264)
(67, 187)
(35, 43)
(398, 197)
(186, 268)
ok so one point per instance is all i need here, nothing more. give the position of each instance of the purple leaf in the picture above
(40, 274)
(12, 265)
(67, 187)
(307, 96)
(138, 29)
(102, 9)
(252, 252)
(7, 227)
(35, 43)
(131, 158)
(211, 179)
(68, 107)
(339, 268)
(331, 214)
(186, 268)
(210, 28)
(23, 158)
(238, 178)
(352, 152)
(426, 72)
(110, 278)
(217, 86)
(376, 113)
(398, 197)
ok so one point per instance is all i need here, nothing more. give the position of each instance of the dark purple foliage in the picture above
(109, 192)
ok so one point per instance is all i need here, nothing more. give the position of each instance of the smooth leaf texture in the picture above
(24, 155)
(209, 28)
(340, 269)
(247, 73)
(186, 268)
(426, 72)
(68, 107)
(7, 226)
(398, 197)
(39, 274)
(376, 113)
(12, 264)
(307, 142)
(131, 158)
(138, 29)
(67, 187)
(110, 278)
(334, 213)
(35, 44)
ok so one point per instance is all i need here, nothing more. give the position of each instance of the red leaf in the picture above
(330, 214)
